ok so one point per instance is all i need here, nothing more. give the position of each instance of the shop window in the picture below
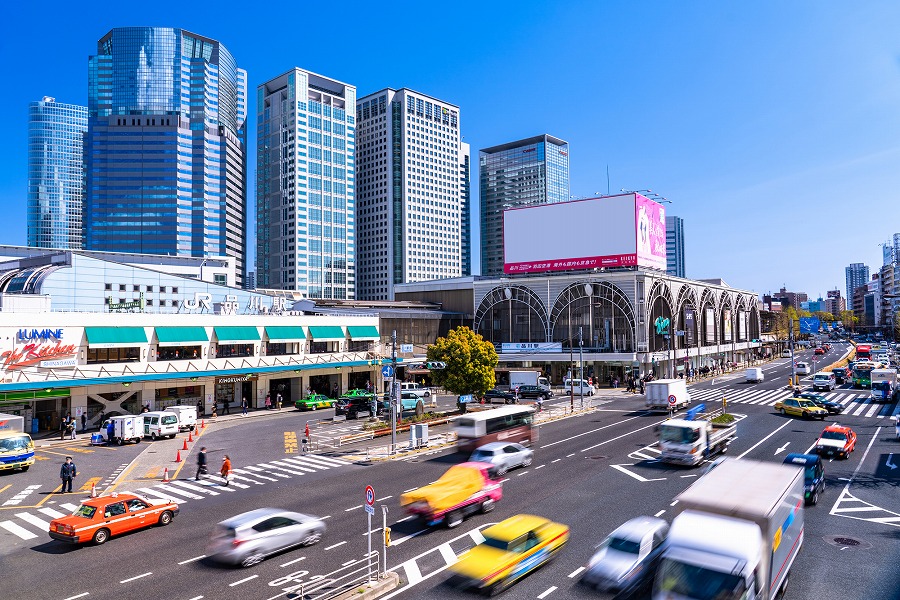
(113, 355)
(318, 347)
(234, 350)
(360, 346)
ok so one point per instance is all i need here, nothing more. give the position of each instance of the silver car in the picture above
(503, 455)
(625, 561)
(248, 538)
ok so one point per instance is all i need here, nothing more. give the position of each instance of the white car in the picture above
(503, 455)
(803, 368)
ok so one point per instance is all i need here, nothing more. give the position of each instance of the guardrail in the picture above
(354, 437)
(332, 585)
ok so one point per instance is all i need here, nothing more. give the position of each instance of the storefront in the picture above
(114, 344)
(180, 343)
(230, 391)
(326, 338)
(284, 340)
(236, 341)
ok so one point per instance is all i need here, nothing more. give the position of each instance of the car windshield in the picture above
(623, 545)
(85, 511)
(698, 583)
(495, 543)
(676, 435)
(809, 474)
(479, 454)
(806, 403)
(833, 435)
(15, 443)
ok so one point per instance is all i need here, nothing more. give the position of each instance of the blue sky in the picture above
(773, 127)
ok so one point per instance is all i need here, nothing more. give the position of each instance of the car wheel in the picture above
(313, 407)
(252, 559)
(487, 506)
(120, 441)
(165, 518)
(527, 461)
(783, 412)
(25, 468)
(313, 538)
(100, 536)
(502, 470)
(454, 519)
(815, 498)
(153, 436)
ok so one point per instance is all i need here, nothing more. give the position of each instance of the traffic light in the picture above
(387, 536)
(435, 365)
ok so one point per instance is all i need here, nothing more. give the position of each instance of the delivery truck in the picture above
(520, 378)
(735, 534)
(885, 387)
(695, 438)
(123, 428)
(667, 395)
(16, 446)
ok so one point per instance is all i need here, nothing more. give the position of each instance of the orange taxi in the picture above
(836, 440)
(97, 519)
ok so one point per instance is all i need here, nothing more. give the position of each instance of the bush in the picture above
(723, 419)
(376, 425)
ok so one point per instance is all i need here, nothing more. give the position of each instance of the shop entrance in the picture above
(359, 381)
(330, 385)
(225, 397)
(283, 387)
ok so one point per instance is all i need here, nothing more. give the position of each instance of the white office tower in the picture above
(409, 191)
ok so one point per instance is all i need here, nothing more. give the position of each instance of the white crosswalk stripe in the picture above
(55, 514)
(17, 530)
(273, 466)
(196, 488)
(33, 520)
(154, 495)
(218, 485)
(253, 473)
(69, 507)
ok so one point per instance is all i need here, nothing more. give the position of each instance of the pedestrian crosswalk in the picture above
(857, 403)
(34, 522)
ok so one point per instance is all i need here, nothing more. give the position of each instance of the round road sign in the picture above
(672, 400)
(370, 496)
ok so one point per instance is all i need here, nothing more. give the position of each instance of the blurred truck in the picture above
(736, 533)
(667, 394)
(885, 386)
(16, 446)
(464, 489)
(520, 378)
(695, 438)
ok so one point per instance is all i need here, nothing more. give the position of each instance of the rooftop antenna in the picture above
(607, 180)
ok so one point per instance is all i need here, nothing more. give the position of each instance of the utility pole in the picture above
(791, 345)
(393, 385)
(581, 365)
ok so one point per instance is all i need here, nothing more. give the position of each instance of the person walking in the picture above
(70, 429)
(278, 400)
(199, 408)
(62, 427)
(83, 422)
(215, 415)
(226, 470)
(67, 473)
(201, 464)
(226, 407)
(268, 402)
(243, 407)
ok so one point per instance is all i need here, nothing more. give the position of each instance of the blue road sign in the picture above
(387, 371)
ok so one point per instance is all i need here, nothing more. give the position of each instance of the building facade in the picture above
(857, 274)
(465, 182)
(56, 174)
(675, 246)
(835, 303)
(411, 191)
(164, 154)
(530, 171)
(306, 185)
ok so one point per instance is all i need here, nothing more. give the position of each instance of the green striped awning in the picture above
(362, 333)
(236, 334)
(326, 333)
(115, 337)
(285, 333)
(178, 336)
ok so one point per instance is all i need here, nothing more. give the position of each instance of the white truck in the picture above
(520, 378)
(696, 438)
(667, 394)
(187, 416)
(736, 533)
(885, 385)
(123, 428)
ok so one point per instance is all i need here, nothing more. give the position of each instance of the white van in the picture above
(824, 380)
(755, 375)
(785, 354)
(579, 387)
(160, 424)
(187, 416)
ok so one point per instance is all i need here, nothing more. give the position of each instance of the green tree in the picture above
(470, 362)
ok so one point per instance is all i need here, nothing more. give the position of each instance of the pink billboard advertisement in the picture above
(650, 219)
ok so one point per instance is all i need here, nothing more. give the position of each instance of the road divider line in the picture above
(290, 562)
(549, 591)
(352, 508)
(575, 572)
(753, 447)
(619, 437)
(136, 577)
(197, 598)
(190, 560)
(447, 553)
(383, 499)
(659, 514)
(82, 595)
(244, 580)
(335, 545)
(635, 475)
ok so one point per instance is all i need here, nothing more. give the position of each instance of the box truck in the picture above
(520, 378)
(885, 386)
(123, 428)
(736, 533)
(16, 446)
(696, 438)
(667, 394)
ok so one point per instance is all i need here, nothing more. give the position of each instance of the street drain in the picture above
(845, 541)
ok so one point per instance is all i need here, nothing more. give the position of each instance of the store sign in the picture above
(258, 304)
(236, 378)
(532, 347)
(56, 364)
(33, 354)
(662, 325)
(39, 335)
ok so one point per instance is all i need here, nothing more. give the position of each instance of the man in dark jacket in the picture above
(201, 463)
(67, 473)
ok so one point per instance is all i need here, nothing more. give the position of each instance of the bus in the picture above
(862, 374)
(863, 352)
(507, 424)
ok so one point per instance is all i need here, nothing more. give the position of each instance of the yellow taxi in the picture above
(800, 407)
(511, 549)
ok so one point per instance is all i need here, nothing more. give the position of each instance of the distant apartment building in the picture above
(465, 182)
(165, 164)
(675, 246)
(835, 303)
(56, 174)
(526, 172)
(250, 280)
(857, 274)
(412, 191)
(305, 185)
(786, 298)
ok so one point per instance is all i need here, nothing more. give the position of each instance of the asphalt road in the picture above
(590, 472)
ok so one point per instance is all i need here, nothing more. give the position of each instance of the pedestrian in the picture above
(244, 407)
(67, 473)
(642, 386)
(83, 422)
(62, 427)
(226, 407)
(368, 385)
(201, 464)
(146, 408)
(215, 414)
(616, 382)
(268, 402)
(70, 429)
(278, 400)
(226, 470)
(335, 391)
(199, 408)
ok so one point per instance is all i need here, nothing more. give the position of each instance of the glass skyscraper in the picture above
(305, 193)
(55, 174)
(523, 173)
(164, 150)
(675, 246)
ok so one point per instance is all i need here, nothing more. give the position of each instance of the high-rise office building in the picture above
(410, 193)
(527, 172)
(891, 250)
(465, 182)
(55, 174)
(675, 246)
(305, 185)
(857, 274)
(164, 151)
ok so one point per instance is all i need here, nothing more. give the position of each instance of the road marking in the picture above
(52, 513)
(410, 536)
(687, 476)
(404, 519)
(522, 473)
(290, 562)
(195, 488)
(549, 591)
(373, 531)
(753, 447)
(448, 553)
(17, 529)
(326, 517)
(178, 492)
(576, 572)
(570, 455)
(190, 560)
(551, 462)
(674, 503)
(411, 489)
(382, 499)
(413, 574)
(619, 437)
(136, 577)
(196, 597)
(83, 594)
(244, 580)
(656, 515)
(539, 467)
(635, 475)
(336, 545)
(349, 562)
(33, 520)
(69, 507)
(352, 508)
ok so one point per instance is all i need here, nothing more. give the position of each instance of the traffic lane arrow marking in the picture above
(888, 462)
(780, 450)
(635, 475)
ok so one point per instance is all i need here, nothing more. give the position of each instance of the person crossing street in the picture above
(226, 470)
(201, 464)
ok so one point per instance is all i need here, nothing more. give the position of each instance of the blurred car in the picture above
(798, 407)
(534, 391)
(352, 406)
(819, 351)
(463, 490)
(840, 375)
(836, 440)
(495, 394)
(248, 538)
(813, 474)
(511, 549)
(98, 519)
(314, 401)
(504, 456)
(834, 408)
(626, 560)
(802, 368)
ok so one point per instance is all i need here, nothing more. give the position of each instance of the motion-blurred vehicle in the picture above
(534, 391)
(504, 456)
(819, 351)
(249, 538)
(501, 395)
(507, 424)
(659, 395)
(463, 490)
(840, 375)
(798, 407)
(696, 438)
(836, 440)
(834, 408)
(511, 549)
(803, 368)
(16, 446)
(313, 402)
(813, 474)
(627, 559)
(98, 519)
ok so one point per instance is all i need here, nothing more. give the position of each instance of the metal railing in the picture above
(353, 437)
(324, 587)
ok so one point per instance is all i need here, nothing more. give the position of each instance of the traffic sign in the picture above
(370, 509)
(370, 496)
(406, 348)
(672, 400)
(387, 371)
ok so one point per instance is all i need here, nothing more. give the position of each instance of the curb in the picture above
(371, 589)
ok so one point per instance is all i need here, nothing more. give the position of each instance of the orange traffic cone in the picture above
(93, 490)
(202, 423)
(190, 436)
(185, 445)
(178, 456)
(166, 475)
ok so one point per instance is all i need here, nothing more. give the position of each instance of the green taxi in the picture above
(357, 392)
(314, 401)
(799, 407)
